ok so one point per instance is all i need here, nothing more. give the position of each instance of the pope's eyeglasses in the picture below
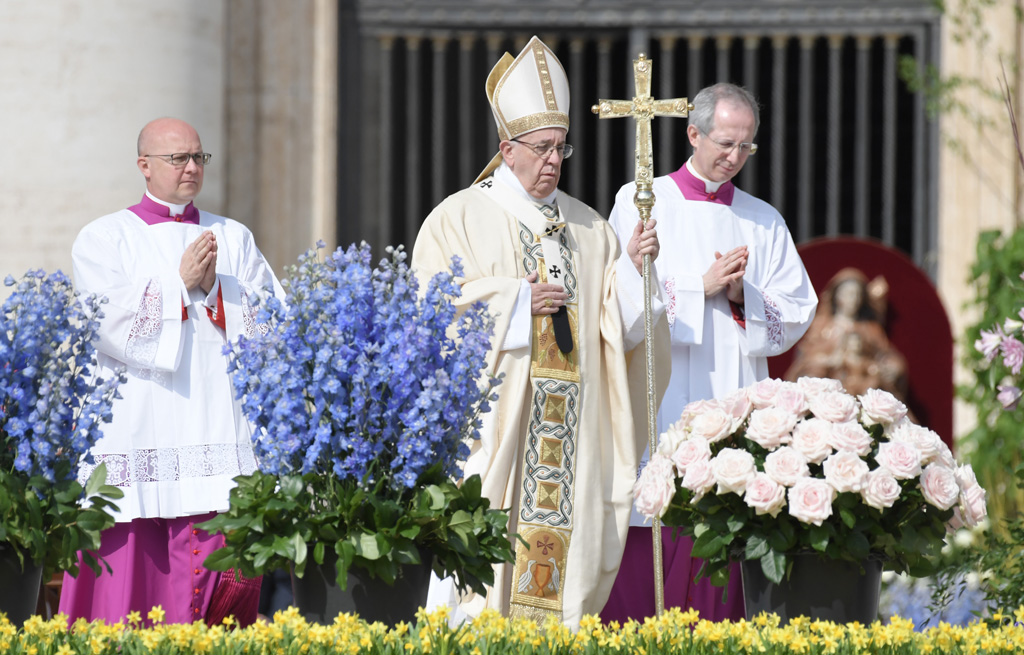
(544, 150)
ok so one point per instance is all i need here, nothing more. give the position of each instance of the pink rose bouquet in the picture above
(785, 467)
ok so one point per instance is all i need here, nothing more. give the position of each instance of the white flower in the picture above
(737, 405)
(835, 406)
(926, 441)
(688, 452)
(655, 487)
(880, 490)
(765, 495)
(693, 410)
(699, 479)
(762, 393)
(670, 439)
(815, 386)
(845, 471)
(813, 438)
(851, 437)
(879, 407)
(770, 427)
(972, 497)
(786, 465)
(733, 468)
(939, 486)
(712, 425)
(901, 459)
(792, 398)
(810, 500)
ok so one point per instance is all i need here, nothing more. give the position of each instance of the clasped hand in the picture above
(199, 263)
(727, 273)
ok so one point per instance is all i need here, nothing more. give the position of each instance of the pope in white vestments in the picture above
(180, 283)
(737, 294)
(560, 447)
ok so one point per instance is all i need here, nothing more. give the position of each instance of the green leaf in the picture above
(708, 545)
(756, 547)
(774, 565)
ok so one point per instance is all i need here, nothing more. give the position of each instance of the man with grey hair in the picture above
(737, 294)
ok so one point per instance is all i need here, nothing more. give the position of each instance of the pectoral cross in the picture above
(642, 109)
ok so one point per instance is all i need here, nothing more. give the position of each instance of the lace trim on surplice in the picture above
(144, 335)
(775, 327)
(173, 464)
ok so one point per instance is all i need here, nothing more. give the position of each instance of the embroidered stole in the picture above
(546, 496)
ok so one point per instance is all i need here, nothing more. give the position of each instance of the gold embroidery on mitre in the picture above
(535, 121)
(545, 76)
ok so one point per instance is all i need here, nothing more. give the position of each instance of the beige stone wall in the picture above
(80, 79)
(257, 78)
(979, 173)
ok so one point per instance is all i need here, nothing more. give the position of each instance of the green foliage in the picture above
(993, 447)
(277, 521)
(47, 523)
(997, 555)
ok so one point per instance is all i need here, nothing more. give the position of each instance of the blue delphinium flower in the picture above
(51, 404)
(362, 376)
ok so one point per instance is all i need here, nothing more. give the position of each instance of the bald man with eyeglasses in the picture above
(737, 294)
(180, 283)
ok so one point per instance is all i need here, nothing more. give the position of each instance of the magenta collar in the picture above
(153, 212)
(693, 188)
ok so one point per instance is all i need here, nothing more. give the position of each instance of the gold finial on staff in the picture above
(642, 109)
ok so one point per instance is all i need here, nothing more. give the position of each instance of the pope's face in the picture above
(178, 185)
(717, 155)
(538, 174)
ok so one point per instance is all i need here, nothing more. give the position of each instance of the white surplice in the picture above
(712, 354)
(178, 435)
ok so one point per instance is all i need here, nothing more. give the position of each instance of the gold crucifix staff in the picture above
(642, 108)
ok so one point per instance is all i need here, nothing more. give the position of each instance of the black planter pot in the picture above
(319, 598)
(19, 590)
(819, 588)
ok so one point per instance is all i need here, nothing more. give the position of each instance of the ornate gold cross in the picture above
(643, 108)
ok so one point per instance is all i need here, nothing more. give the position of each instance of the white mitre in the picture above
(528, 93)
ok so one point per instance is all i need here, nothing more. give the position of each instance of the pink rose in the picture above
(835, 406)
(972, 497)
(737, 405)
(688, 452)
(943, 455)
(810, 500)
(770, 427)
(699, 479)
(655, 487)
(926, 441)
(712, 425)
(879, 407)
(792, 398)
(846, 472)
(851, 437)
(733, 468)
(813, 438)
(765, 495)
(762, 394)
(880, 489)
(786, 466)
(939, 486)
(693, 410)
(901, 459)
(670, 439)
(816, 386)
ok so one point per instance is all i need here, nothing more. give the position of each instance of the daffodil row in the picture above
(675, 632)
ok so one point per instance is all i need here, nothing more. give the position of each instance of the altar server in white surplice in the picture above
(180, 282)
(737, 294)
(559, 448)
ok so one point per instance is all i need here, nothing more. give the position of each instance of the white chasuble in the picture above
(560, 447)
(178, 435)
